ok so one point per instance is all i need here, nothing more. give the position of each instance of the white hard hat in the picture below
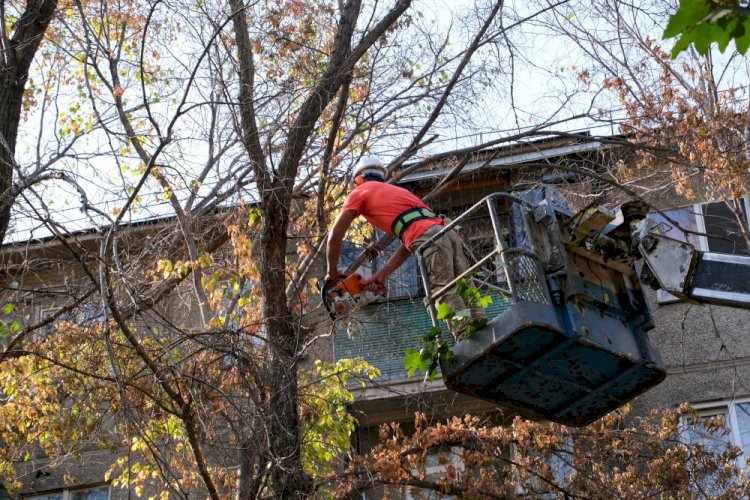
(369, 165)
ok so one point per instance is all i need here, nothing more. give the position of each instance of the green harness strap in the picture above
(402, 220)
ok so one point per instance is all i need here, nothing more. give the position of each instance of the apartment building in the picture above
(706, 349)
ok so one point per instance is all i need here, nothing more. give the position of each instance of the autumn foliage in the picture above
(616, 457)
(683, 123)
(237, 123)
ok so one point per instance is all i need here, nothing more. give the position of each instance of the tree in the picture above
(685, 117)
(274, 98)
(613, 457)
(700, 23)
(241, 120)
(22, 33)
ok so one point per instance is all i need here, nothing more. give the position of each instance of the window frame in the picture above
(700, 218)
(700, 241)
(715, 408)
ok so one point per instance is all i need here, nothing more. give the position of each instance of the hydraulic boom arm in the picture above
(701, 277)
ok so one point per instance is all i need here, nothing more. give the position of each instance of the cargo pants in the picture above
(445, 260)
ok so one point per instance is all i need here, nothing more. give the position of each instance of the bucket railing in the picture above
(519, 263)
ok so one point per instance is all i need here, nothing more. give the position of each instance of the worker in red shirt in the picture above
(396, 211)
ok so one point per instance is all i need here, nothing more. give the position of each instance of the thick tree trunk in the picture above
(11, 95)
(288, 479)
(17, 55)
(287, 476)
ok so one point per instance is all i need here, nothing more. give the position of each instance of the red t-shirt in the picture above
(381, 203)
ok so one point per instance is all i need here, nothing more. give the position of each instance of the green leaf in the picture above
(702, 38)
(432, 334)
(254, 215)
(688, 14)
(9, 308)
(413, 361)
(432, 370)
(723, 34)
(703, 22)
(462, 288)
(742, 42)
(484, 301)
(443, 311)
(682, 44)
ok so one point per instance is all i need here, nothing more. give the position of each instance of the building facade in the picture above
(706, 349)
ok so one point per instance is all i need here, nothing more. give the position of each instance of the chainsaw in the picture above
(347, 295)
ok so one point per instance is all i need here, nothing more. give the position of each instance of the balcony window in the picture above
(735, 418)
(97, 493)
(87, 313)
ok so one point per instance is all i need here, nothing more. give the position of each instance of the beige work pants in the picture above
(445, 260)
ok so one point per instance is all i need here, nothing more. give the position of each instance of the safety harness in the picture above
(402, 220)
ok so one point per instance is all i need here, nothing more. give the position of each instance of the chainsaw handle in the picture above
(328, 287)
(338, 280)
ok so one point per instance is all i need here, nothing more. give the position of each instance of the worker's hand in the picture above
(375, 283)
(333, 276)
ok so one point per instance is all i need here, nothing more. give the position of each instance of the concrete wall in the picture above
(706, 350)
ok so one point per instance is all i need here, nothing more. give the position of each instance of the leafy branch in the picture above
(702, 22)
(427, 359)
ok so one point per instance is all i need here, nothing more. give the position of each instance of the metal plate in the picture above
(532, 360)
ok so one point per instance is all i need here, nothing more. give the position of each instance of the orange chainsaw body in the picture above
(348, 295)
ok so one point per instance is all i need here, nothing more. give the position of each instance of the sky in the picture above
(544, 85)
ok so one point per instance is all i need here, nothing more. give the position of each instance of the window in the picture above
(434, 466)
(696, 432)
(86, 314)
(98, 493)
(736, 417)
(725, 225)
(720, 226)
(92, 494)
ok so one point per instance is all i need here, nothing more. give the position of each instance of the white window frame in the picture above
(663, 297)
(728, 409)
(700, 220)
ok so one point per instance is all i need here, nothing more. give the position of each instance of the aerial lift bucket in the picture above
(572, 346)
